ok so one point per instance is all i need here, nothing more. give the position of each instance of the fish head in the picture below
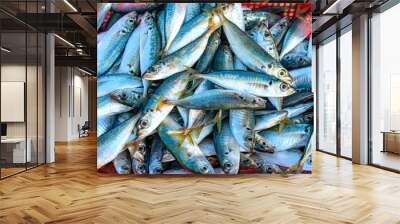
(129, 24)
(201, 165)
(155, 169)
(147, 18)
(252, 101)
(157, 70)
(146, 124)
(262, 144)
(138, 167)
(279, 72)
(123, 168)
(283, 89)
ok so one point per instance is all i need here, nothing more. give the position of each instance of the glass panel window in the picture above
(385, 84)
(346, 94)
(327, 96)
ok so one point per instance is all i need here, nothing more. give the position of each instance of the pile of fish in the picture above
(203, 88)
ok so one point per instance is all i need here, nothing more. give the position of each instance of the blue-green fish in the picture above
(255, 83)
(295, 60)
(302, 78)
(129, 97)
(194, 29)
(156, 110)
(298, 30)
(218, 99)
(223, 59)
(130, 59)
(209, 53)
(298, 97)
(150, 46)
(107, 106)
(251, 54)
(161, 27)
(252, 18)
(227, 149)
(104, 124)
(279, 29)
(122, 163)
(156, 154)
(138, 157)
(192, 10)
(112, 82)
(263, 37)
(242, 124)
(114, 41)
(267, 121)
(237, 64)
(187, 154)
(102, 10)
(174, 17)
(110, 144)
(179, 61)
(292, 136)
(298, 109)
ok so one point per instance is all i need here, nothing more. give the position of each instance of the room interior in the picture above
(48, 92)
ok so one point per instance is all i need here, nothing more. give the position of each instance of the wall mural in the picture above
(204, 88)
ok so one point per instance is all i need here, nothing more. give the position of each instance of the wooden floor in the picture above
(71, 191)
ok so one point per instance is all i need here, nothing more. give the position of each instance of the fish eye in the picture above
(249, 138)
(269, 66)
(227, 165)
(270, 82)
(123, 95)
(284, 86)
(204, 168)
(150, 28)
(282, 72)
(144, 123)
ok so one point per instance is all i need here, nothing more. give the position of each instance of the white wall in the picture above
(71, 94)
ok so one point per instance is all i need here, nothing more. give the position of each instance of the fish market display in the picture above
(203, 88)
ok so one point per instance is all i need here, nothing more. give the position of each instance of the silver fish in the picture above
(114, 41)
(122, 163)
(228, 151)
(111, 82)
(223, 59)
(298, 109)
(110, 144)
(138, 153)
(180, 60)
(218, 99)
(264, 122)
(209, 53)
(261, 34)
(174, 17)
(156, 153)
(155, 111)
(130, 59)
(251, 54)
(242, 123)
(104, 124)
(187, 153)
(292, 136)
(106, 106)
(150, 46)
(252, 82)
(297, 32)
(279, 29)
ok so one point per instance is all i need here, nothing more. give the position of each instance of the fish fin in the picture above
(162, 101)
